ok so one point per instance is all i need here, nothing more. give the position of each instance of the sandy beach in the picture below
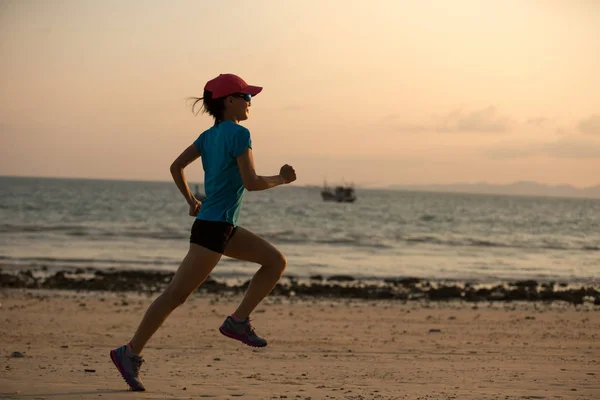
(318, 349)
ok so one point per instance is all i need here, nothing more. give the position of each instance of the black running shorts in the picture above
(214, 235)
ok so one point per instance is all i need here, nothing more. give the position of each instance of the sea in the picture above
(62, 224)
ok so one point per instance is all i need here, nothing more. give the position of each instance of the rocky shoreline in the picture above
(339, 286)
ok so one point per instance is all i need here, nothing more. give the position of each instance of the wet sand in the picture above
(318, 348)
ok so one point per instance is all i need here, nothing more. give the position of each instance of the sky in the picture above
(372, 92)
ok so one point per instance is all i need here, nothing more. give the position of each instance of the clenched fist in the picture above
(287, 173)
(195, 206)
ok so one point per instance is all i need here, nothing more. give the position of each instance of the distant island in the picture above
(523, 188)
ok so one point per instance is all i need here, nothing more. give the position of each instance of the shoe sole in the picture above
(115, 361)
(240, 338)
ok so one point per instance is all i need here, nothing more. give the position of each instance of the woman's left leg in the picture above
(247, 246)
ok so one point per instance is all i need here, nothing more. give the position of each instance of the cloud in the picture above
(508, 152)
(572, 148)
(485, 120)
(412, 128)
(590, 126)
(538, 121)
(566, 147)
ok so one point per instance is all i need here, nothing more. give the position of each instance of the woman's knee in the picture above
(279, 262)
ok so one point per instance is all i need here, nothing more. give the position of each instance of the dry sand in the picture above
(318, 349)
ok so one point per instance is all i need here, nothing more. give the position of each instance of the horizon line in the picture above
(391, 185)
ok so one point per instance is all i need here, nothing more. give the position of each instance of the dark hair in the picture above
(214, 107)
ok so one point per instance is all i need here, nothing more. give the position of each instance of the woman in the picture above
(226, 152)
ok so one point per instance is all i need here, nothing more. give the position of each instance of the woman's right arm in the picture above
(253, 182)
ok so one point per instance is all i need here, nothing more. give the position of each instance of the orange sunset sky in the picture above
(375, 92)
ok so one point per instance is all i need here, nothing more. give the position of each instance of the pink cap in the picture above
(226, 84)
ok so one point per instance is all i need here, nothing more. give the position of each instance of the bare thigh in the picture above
(248, 246)
(194, 269)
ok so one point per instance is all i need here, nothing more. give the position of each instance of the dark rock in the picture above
(383, 293)
(407, 282)
(210, 285)
(281, 290)
(531, 284)
(547, 294)
(10, 281)
(445, 293)
(337, 286)
(499, 293)
(246, 284)
(23, 279)
(341, 278)
(472, 294)
(549, 285)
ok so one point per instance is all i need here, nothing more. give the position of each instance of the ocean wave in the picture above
(354, 242)
(301, 237)
(9, 228)
(435, 218)
(473, 242)
(95, 261)
(591, 248)
(96, 232)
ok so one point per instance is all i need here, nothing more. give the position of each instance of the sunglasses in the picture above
(246, 97)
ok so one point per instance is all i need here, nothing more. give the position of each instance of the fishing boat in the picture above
(340, 193)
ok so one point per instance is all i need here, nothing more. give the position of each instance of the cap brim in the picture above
(252, 90)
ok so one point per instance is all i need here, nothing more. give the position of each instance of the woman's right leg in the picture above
(194, 269)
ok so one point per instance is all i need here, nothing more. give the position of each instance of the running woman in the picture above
(226, 153)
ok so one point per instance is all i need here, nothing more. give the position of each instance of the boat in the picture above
(340, 193)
